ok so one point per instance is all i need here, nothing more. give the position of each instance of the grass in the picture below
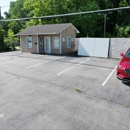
(78, 90)
(127, 106)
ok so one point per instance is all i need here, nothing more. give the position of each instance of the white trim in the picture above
(60, 42)
(69, 26)
(70, 42)
(21, 43)
(37, 45)
(49, 45)
(26, 42)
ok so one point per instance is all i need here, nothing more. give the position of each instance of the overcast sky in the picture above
(5, 3)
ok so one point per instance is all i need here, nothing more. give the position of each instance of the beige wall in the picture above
(24, 46)
(68, 32)
(53, 50)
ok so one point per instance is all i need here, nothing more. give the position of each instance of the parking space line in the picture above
(36, 65)
(73, 67)
(43, 63)
(83, 62)
(105, 60)
(109, 76)
(13, 61)
(66, 70)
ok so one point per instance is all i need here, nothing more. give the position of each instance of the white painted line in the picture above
(13, 61)
(36, 65)
(66, 70)
(83, 62)
(73, 67)
(43, 62)
(106, 60)
(109, 76)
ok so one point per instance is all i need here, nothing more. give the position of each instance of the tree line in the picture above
(89, 25)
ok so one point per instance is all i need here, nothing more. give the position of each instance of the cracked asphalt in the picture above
(39, 92)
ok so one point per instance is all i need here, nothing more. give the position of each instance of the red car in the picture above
(123, 69)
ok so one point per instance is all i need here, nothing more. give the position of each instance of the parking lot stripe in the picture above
(43, 63)
(66, 70)
(13, 61)
(73, 67)
(105, 60)
(109, 76)
(35, 65)
(83, 62)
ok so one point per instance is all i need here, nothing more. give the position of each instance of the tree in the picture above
(89, 25)
(1, 38)
(11, 40)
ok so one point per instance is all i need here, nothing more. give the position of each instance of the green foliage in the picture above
(1, 39)
(78, 90)
(123, 31)
(89, 25)
(11, 40)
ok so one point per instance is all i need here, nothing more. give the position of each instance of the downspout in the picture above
(21, 43)
(60, 42)
(37, 45)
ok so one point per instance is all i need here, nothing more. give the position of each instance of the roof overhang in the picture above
(70, 25)
(37, 34)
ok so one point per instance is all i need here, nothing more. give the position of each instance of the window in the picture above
(68, 42)
(128, 54)
(29, 42)
(56, 44)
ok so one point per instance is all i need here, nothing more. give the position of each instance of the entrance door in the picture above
(41, 45)
(47, 45)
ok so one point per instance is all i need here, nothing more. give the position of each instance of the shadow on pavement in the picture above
(126, 83)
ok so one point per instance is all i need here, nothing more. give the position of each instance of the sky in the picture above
(5, 3)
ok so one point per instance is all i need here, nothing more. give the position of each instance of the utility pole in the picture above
(105, 15)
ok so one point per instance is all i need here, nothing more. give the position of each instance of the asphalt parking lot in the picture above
(49, 92)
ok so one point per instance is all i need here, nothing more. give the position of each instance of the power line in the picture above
(69, 14)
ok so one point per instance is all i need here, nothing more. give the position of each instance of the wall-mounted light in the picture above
(63, 39)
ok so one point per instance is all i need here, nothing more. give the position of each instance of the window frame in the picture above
(27, 42)
(56, 42)
(67, 42)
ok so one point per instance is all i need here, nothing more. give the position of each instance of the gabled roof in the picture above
(46, 29)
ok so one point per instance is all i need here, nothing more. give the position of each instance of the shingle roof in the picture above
(46, 29)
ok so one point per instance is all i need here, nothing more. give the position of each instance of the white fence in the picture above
(97, 47)
(102, 47)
